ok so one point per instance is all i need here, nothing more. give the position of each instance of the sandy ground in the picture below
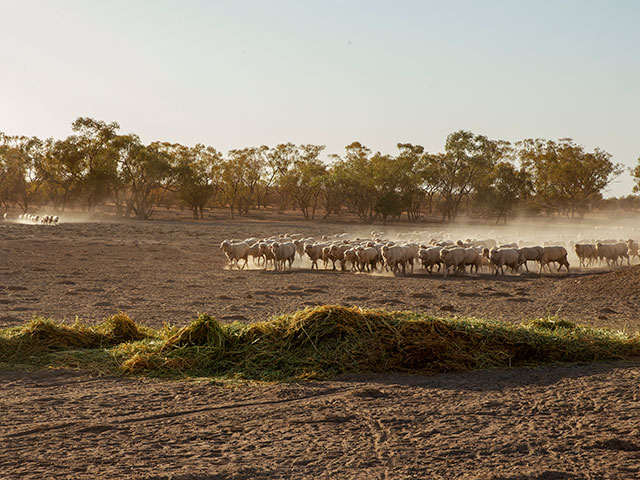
(169, 271)
(579, 421)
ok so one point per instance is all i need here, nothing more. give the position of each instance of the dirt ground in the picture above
(578, 421)
(168, 271)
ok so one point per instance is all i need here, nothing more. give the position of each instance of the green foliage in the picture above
(502, 190)
(474, 174)
(566, 178)
(467, 161)
(194, 170)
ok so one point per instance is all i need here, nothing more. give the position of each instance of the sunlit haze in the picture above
(242, 73)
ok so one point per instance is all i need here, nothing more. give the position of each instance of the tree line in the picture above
(474, 175)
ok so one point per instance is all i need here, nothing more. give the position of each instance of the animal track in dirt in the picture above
(423, 295)
(315, 290)
(16, 288)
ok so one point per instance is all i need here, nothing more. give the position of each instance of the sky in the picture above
(240, 73)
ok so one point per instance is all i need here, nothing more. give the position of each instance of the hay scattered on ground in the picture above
(317, 343)
(40, 336)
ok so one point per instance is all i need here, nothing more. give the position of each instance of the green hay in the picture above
(40, 336)
(314, 343)
(120, 328)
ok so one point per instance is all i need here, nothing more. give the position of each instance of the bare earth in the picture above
(578, 421)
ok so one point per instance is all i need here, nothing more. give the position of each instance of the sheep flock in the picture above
(34, 219)
(434, 254)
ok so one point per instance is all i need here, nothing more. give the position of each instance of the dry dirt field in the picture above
(578, 421)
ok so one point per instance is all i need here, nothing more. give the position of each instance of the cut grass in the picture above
(314, 343)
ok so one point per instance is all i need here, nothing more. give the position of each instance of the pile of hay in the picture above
(41, 336)
(332, 340)
(323, 342)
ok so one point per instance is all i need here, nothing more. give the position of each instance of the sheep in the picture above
(351, 255)
(254, 252)
(336, 253)
(314, 252)
(283, 253)
(530, 253)
(235, 252)
(367, 258)
(411, 253)
(488, 242)
(326, 256)
(505, 256)
(452, 257)
(587, 253)
(299, 244)
(612, 251)
(430, 257)
(472, 258)
(394, 255)
(267, 253)
(623, 251)
(631, 244)
(556, 254)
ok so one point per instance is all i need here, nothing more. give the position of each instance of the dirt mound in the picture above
(615, 284)
(613, 297)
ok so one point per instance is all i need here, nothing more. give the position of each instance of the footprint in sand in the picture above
(422, 295)
(468, 294)
(355, 299)
(500, 294)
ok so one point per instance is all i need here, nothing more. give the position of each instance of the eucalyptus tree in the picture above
(466, 161)
(567, 179)
(239, 178)
(20, 178)
(194, 169)
(143, 172)
(303, 180)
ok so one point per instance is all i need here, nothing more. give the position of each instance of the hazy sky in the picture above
(242, 73)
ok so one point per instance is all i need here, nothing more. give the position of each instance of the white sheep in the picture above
(430, 257)
(501, 257)
(530, 254)
(235, 252)
(314, 252)
(554, 254)
(283, 253)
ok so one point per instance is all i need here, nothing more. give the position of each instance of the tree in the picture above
(635, 173)
(566, 178)
(193, 171)
(239, 178)
(279, 162)
(304, 179)
(355, 175)
(94, 141)
(504, 189)
(20, 179)
(82, 167)
(466, 161)
(143, 171)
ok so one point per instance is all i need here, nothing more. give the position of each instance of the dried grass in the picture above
(321, 343)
